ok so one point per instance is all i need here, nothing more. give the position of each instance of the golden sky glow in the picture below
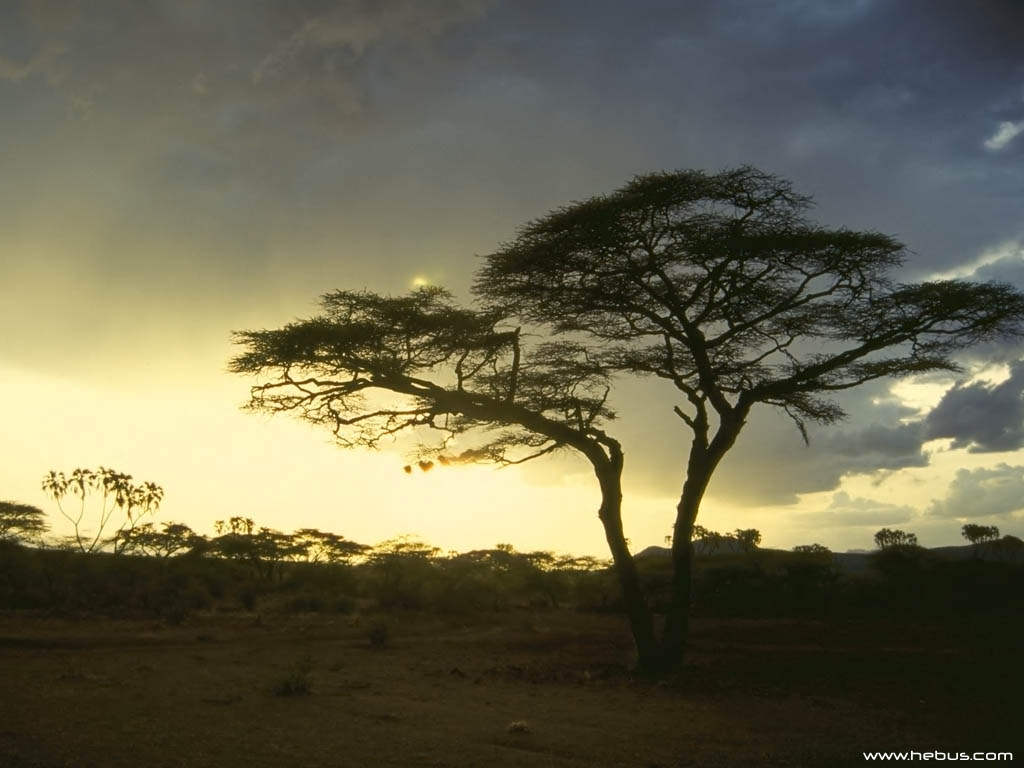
(176, 171)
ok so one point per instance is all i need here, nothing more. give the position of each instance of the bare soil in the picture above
(515, 689)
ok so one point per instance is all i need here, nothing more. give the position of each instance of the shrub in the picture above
(378, 634)
(298, 681)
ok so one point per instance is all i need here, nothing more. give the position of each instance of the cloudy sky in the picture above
(173, 170)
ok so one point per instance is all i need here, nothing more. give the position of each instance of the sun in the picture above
(419, 281)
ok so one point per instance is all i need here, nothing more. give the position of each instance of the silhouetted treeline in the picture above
(250, 569)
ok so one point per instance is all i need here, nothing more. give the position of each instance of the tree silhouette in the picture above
(747, 538)
(20, 521)
(264, 549)
(372, 367)
(719, 284)
(316, 546)
(117, 494)
(812, 549)
(888, 538)
(978, 533)
(147, 540)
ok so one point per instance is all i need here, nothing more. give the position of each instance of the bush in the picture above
(378, 633)
(298, 681)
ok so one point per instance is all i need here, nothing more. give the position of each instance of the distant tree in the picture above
(812, 549)
(262, 548)
(402, 567)
(748, 538)
(719, 284)
(887, 538)
(243, 526)
(21, 522)
(979, 533)
(706, 541)
(316, 546)
(404, 546)
(147, 540)
(118, 494)
(1009, 548)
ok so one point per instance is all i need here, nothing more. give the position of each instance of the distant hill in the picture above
(702, 547)
(1009, 549)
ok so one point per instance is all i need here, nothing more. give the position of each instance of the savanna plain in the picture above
(286, 682)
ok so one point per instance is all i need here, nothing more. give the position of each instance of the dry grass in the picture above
(94, 693)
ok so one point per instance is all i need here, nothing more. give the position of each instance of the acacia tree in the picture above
(316, 546)
(19, 522)
(147, 540)
(719, 284)
(371, 367)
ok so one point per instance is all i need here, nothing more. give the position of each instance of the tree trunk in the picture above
(704, 458)
(641, 621)
(677, 621)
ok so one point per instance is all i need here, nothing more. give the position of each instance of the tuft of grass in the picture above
(379, 634)
(298, 681)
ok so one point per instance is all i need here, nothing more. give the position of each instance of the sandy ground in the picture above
(95, 692)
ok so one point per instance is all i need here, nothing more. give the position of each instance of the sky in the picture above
(175, 170)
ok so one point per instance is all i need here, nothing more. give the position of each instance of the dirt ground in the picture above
(516, 689)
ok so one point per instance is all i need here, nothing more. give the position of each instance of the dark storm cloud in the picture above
(980, 417)
(880, 108)
(271, 151)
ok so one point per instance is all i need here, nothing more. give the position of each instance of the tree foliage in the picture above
(888, 538)
(171, 539)
(316, 546)
(812, 549)
(371, 367)
(117, 494)
(717, 283)
(721, 285)
(20, 522)
(978, 533)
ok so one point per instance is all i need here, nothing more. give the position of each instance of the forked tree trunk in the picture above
(664, 657)
(677, 620)
(702, 463)
(641, 621)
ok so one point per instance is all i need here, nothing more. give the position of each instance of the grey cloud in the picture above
(845, 511)
(398, 132)
(994, 492)
(980, 417)
(1005, 133)
(1008, 267)
(769, 464)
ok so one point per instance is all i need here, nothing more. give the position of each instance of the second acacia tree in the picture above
(719, 284)
(372, 367)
